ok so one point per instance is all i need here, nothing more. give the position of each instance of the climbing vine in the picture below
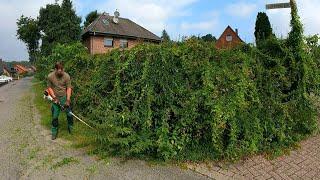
(190, 101)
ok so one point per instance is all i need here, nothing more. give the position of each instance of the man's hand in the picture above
(56, 100)
(67, 104)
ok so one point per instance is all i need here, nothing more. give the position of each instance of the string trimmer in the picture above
(47, 96)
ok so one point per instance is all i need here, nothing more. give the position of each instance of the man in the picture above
(59, 88)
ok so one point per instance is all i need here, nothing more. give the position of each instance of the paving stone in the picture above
(301, 163)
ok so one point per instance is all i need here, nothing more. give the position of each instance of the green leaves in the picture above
(29, 32)
(188, 100)
(93, 15)
(263, 30)
(59, 24)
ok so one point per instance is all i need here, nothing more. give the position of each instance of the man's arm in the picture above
(50, 90)
(69, 91)
(51, 93)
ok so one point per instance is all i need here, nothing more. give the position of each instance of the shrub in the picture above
(188, 100)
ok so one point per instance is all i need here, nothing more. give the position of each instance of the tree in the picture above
(28, 32)
(59, 24)
(93, 15)
(209, 38)
(50, 26)
(263, 28)
(165, 36)
(71, 22)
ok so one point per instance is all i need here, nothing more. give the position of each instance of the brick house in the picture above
(9, 70)
(20, 69)
(109, 32)
(229, 39)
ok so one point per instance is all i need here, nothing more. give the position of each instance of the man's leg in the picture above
(70, 120)
(69, 116)
(55, 123)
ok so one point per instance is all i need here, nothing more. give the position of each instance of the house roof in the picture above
(234, 32)
(22, 68)
(225, 42)
(104, 25)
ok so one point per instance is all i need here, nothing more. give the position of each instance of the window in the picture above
(106, 22)
(229, 38)
(123, 43)
(108, 42)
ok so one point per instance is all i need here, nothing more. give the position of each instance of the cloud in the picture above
(205, 25)
(241, 9)
(10, 47)
(208, 22)
(151, 14)
(308, 11)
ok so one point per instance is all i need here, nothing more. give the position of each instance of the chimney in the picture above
(237, 32)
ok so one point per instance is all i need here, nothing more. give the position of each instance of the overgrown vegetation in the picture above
(189, 101)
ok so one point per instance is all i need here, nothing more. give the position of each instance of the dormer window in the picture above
(229, 38)
(105, 22)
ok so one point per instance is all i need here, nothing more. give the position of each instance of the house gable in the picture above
(228, 39)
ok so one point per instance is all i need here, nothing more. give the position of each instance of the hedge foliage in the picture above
(191, 101)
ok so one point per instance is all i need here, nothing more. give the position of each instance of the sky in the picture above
(178, 17)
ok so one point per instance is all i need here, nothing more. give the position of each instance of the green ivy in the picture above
(190, 101)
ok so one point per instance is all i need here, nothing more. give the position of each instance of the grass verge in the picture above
(81, 137)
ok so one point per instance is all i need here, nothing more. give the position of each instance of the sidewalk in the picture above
(303, 163)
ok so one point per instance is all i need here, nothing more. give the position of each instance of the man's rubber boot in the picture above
(70, 120)
(54, 131)
(70, 128)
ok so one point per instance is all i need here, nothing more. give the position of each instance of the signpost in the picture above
(278, 6)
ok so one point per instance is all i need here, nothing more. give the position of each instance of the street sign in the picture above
(278, 6)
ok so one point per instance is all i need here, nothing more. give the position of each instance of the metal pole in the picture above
(80, 120)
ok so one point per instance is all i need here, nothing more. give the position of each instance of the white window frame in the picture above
(229, 38)
(108, 39)
(122, 42)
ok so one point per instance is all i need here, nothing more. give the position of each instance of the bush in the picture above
(188, 100)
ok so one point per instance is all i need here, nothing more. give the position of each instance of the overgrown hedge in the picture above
(190, 101)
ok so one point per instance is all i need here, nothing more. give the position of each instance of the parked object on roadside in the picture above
(2, 81)
(5, 79)
(9, 79)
